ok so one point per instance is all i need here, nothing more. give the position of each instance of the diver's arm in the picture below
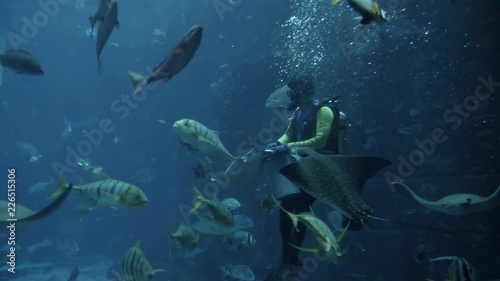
(323, 126)
(288, 134)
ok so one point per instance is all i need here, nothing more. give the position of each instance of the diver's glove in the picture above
(281, 148)
(272, 146)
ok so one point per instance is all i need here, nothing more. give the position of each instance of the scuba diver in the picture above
(315, 124)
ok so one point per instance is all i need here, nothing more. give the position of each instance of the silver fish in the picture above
(176, 60)
(107, 192)
(201, 138)
(106, 27)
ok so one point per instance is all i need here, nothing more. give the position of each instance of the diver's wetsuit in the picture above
(317, 131)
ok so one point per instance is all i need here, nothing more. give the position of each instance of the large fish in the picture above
(201, 138)
(135, 265)
(104, 6)
(279, 98)
(176, 60)
(106, 27)
(457, 204)
(21, 62)
(107, 192)
(25, 216)
(338, 180)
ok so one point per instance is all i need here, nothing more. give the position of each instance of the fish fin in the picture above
(158, 270)
(138, 244)
(311, 250)
(451, 270)
(202, 139)
(312, 211)
(117, 25)
(216, 132)
(200, 200)
(113, 198)
(105, 176)
(335, 2)
(292, 216)
(61, 187)
(209, 160)
(374, 8)
(92, 24)
(341, 236)
(99, 64)
(138, 81)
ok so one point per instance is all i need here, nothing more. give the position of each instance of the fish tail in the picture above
(292, 216)
(99, 64)
(62, 185)
(138, 81)
(199, 199)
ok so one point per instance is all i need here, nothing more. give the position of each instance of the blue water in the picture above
(433, 55)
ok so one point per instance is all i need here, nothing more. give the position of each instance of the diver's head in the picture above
(301, 91)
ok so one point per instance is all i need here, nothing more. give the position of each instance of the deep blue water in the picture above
(432, 57)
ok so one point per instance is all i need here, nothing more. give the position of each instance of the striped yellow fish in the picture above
(201, 138)
(107, 192)
(186, 237)
(328, 243)
(135, 265)
(220, 213)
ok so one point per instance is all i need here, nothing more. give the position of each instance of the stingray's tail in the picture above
(440, 230)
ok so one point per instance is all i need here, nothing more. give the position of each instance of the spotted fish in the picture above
(107, 192)
(135, 265)
(338, 180)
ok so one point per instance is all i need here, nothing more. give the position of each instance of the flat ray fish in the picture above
(457, 204)
(337, 180)
(135, 265)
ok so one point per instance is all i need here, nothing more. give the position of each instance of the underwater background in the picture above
(397, 84)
